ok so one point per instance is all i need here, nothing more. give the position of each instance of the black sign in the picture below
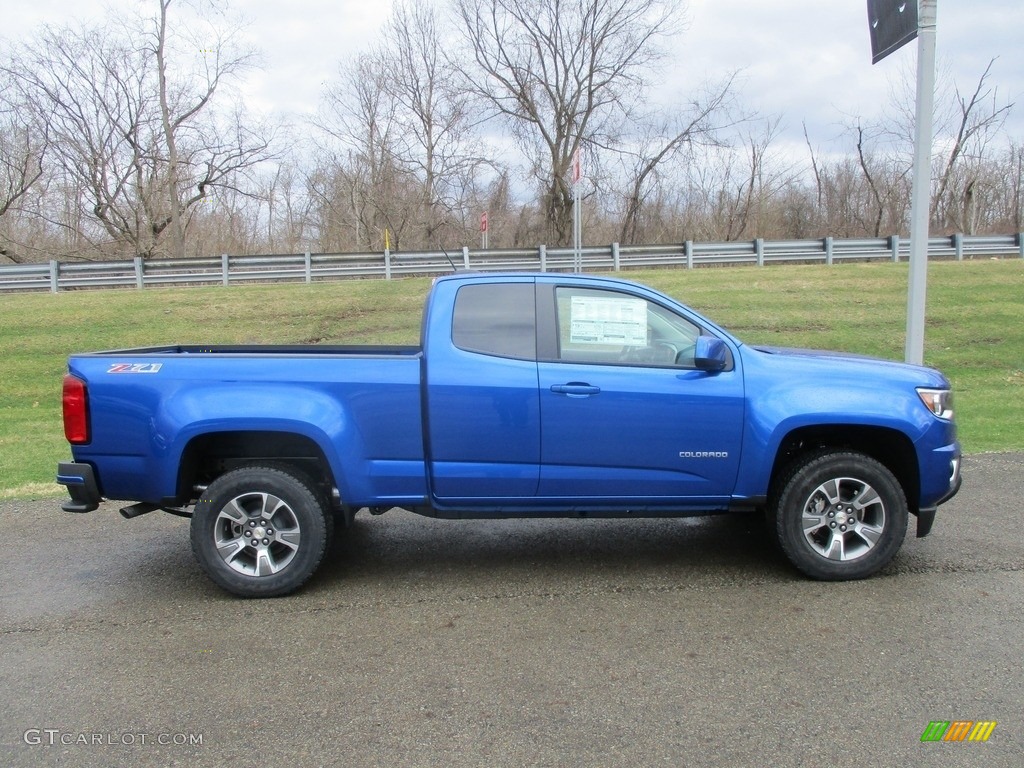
(892, 23)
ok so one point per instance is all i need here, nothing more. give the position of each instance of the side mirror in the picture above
(711, 354)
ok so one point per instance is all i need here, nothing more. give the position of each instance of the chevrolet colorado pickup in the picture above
(529, 396)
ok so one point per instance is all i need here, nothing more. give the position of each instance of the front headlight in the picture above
(938, 401)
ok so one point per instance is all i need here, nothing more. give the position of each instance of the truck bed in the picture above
(152, 407)
(316, 350)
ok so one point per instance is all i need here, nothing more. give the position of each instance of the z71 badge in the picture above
(135, 368)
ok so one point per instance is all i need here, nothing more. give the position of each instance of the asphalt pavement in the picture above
(514, 643)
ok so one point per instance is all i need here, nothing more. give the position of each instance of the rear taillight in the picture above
(76, 410)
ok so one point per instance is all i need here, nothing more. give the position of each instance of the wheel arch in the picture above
(890, 447)
(209, 455)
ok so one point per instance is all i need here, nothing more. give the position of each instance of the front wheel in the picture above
(260, 531)
(839, 515)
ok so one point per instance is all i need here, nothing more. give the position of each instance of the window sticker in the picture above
(608, 320)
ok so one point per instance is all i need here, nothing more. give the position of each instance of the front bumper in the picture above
(80, 481)
(926, 515)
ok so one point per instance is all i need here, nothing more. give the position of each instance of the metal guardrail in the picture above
(309, 267)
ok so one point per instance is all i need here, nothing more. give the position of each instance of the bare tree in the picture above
(438, 146)
(143, 145)
(187, 85)
(977, 119)
(1007, 177)
(88, 90)
(762, 180)
(562, 75)
(288, 210)
(878, 199)
(398, 149)
(22, 147)
(701, 124)
(964, 130)
(356, 184)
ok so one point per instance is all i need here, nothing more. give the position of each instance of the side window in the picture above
(496, 319)
(608, 327)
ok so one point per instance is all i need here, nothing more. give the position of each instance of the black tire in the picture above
(839, 515)
(287, 528)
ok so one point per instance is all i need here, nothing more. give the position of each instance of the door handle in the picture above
(575, 389)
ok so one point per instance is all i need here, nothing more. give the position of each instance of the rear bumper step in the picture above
(81, 484)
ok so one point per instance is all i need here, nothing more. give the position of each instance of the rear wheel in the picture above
(839, 515)
(260, 531)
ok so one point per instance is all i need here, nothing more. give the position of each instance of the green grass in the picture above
(975, 334)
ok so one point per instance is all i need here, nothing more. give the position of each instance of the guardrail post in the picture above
(958, 245)
(1020, 243)
(828, 251)
(688, 251)
(309, 267)
(894, 246)
(224, 268)
(54, 275)
(140, 280)
(615, 258)
(387, 263)
(465, 257)
(543, 249)
(759, 250)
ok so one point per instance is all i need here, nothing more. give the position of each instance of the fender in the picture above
(337, 425)
(206, 409)
(796, 391)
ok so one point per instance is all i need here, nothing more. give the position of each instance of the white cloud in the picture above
(806, 60)
(812, 60)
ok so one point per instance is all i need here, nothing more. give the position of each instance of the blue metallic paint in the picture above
(470, 432)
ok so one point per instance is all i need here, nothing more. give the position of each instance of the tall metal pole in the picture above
(920, 202)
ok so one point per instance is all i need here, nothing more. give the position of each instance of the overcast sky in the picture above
(803, 60)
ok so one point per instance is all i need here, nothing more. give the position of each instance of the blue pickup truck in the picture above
(529, 396)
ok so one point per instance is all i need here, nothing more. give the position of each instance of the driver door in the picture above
(625, 414)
